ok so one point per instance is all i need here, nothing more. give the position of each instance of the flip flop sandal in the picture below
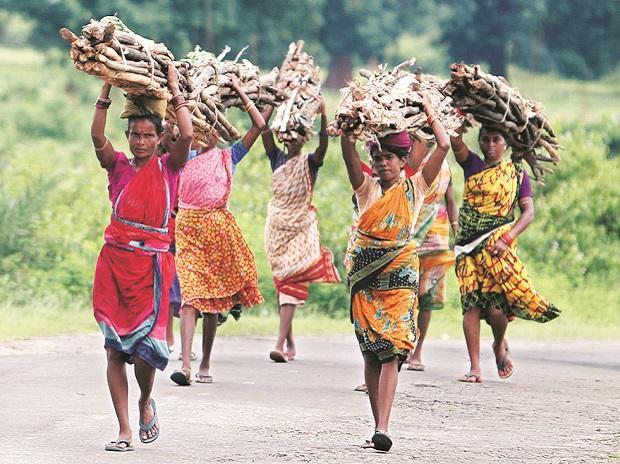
(367, 444)
(278, 356)
(416, 367)
(192, 356)
(200, 378)
(467, 378)
(120, 446)
(381, 441)
(361, 388)
(502, 365)
(148, 427)
(181, 377)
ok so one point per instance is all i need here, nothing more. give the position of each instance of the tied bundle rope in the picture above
(495, 104)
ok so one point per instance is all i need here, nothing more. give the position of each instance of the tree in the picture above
(267, 27)
(356, 29)
(579, 37)
(486, 30)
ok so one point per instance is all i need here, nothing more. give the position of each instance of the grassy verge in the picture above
(587, 313)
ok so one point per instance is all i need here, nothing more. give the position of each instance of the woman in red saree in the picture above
(134, 269)
(383, 263)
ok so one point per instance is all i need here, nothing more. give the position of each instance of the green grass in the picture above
(569, 100)
(588, 313)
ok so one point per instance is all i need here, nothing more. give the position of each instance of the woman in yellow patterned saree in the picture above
(493, 282)
(383, 264)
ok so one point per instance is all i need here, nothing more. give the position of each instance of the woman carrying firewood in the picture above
(432, 233)
(383, 263)
(135, 270)
(494, 284)
(215, 266)
(292, 231)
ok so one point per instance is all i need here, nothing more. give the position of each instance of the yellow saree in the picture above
(487, 281)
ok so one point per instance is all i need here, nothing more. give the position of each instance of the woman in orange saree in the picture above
(383, 264)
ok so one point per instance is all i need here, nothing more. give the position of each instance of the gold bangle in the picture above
(248, 107)
(107, 140)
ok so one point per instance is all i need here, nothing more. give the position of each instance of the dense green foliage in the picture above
(573, 38)
(54, 206)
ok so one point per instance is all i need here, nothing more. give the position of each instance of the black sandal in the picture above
(181, 377)
(381, 441)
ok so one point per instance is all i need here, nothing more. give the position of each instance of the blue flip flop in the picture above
(148, 427)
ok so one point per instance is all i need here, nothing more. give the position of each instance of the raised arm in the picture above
(433, 165)
(103, 147)
(352, 162)
(526, 205)
(319, 154)
(417, 154)
(258, 123)
(453, 209)
(179, 148)
(460, 149)
(266, 135)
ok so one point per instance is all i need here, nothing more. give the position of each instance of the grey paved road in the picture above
(561, 406)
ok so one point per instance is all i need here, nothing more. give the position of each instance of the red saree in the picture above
(134, 270)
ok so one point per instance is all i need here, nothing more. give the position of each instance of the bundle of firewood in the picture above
(493, 103)
(389, 102)
(212, 92)
(213, 76)
(442, 105)
(109, 50)
(299, 80)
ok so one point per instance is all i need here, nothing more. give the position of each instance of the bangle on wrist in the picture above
(507, 239)
(103, 103)
(455, 222)
(183, 104)
(431, 118)
(249, 106)
(177, 100)
(103, 146)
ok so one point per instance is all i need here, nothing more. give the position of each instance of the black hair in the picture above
(485, 129)
(157, 122)
(398, 151)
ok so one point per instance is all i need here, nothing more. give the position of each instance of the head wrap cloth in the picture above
(398, 141)
(140, 105)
